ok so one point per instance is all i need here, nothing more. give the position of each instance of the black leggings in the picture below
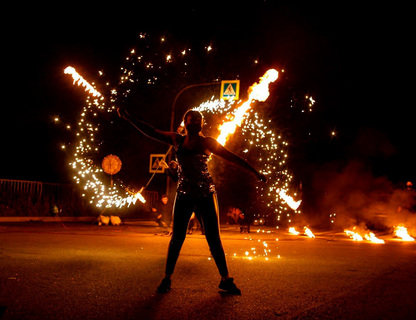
(206, 208)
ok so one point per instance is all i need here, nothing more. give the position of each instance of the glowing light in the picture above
(353, 235)
(308, 232)
(138, 195)
(80, 81)
(401, 232)
(257, 92)
(372, 237)
(293, 231)
(369, 236)
(288, 199)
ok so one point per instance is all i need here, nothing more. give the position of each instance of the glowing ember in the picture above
(353, 235)
(258, 91)
(308, 232)
(401, 232)
(293, 231)
(80, 81)
(371, 237)
(288, 199)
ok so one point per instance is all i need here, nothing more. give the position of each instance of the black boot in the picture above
(164, 286)
(229, 286)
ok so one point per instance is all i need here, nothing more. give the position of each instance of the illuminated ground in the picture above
(51, 271)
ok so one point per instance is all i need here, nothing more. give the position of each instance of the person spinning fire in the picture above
(195, 191)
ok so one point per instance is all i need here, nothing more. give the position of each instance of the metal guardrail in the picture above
(36, 198)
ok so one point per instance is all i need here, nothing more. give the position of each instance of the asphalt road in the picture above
(80, 271)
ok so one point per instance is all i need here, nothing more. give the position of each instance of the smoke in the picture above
(358, 198)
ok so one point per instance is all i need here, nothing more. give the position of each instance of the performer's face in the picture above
(193, 123)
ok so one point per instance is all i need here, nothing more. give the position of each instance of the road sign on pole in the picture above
(157, 163)
(230, 89)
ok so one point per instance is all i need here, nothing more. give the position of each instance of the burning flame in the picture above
(353, 235)
(401, 232)
(288, 199)
(139, 196)
(80, 81)
(369, 236)
(308, 232)
(258, 91)
(372, 237)
(293, 231)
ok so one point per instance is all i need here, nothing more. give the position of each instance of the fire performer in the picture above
(195, 191)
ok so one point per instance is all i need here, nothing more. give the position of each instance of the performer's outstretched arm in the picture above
(215, 147)
(148, 130)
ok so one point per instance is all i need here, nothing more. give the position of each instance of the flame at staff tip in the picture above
(288, 199)
(80, 81)
(401, 232)
(293, 231)
(258, 91)
(308, 232)
(139, 196)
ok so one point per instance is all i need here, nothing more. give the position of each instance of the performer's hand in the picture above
(261, 177)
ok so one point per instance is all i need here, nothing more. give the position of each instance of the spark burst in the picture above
(256, 132)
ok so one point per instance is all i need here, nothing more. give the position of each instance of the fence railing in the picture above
(35, 198)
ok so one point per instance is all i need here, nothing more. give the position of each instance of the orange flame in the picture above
(401, 232)
(353, 235)
(288, 199)
(308, 232)
(371, 237)
(80, 81)
(138, 195)
(258, 91)
(293, 231)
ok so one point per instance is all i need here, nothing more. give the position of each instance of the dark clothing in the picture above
(193, 175)
(195, 193)
(165, 210)
(206, 207)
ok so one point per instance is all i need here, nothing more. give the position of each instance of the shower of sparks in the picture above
(401, 232)
(271, 147)
(259, 136)
(87, 174)
(264, 252)
(262, 139)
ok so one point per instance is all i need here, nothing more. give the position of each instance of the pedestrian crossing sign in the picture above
(230, 89)
(157, 163)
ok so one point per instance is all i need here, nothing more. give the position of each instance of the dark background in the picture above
(356, 60)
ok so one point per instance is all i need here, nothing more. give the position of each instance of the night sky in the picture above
(356, 61)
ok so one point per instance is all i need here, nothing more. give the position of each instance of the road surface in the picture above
(81, 271)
